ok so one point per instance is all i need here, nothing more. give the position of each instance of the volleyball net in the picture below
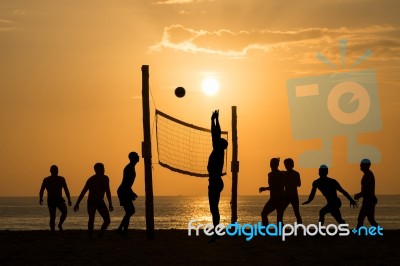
(183, 147)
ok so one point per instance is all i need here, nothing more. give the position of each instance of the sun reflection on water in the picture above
(178, 212)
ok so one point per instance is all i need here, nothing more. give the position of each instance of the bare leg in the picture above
(371, 214)
(213, 199)
(361, 216)
(296, 211)
(268, 208)
(325, 210)
(91, 212)
(103, 211)
(52, 212)
(63, 209)
(129, 211)
(338, 216)
(214, 193)
(280, 209)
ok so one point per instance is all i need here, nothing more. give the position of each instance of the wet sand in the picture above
(175, 247)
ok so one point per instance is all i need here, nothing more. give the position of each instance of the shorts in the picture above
(54, 203)
(292, 199)
(98, 205)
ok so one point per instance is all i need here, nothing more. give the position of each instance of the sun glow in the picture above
(210, 86)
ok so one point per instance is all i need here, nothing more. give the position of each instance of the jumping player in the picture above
(214, 167)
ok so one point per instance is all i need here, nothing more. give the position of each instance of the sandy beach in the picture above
(175, 247)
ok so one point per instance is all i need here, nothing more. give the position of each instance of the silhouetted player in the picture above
(214, 167)
(276, 191)
(54, 185)
(328, 187)
(98, 185)
(368, 195)
(126, 194)
(292, 181)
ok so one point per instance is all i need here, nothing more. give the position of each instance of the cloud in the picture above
(20, 11)
(224, 42)
(174, 2)
(184, 12)
(7, 25)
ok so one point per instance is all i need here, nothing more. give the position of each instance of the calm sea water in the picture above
(25, 213)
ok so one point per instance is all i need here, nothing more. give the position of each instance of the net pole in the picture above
(146, 153)
(234, 166)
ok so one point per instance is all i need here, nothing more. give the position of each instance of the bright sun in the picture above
(210, 86)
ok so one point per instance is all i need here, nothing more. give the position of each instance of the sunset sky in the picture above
(70, 82)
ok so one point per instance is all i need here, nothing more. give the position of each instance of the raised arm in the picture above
(215, 128)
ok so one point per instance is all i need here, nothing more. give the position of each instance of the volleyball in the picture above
(180, 92)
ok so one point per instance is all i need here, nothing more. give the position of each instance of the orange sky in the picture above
(70, 83)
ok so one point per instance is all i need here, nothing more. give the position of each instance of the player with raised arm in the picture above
(214, 167)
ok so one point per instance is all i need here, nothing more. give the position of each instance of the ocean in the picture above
(174, 212)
